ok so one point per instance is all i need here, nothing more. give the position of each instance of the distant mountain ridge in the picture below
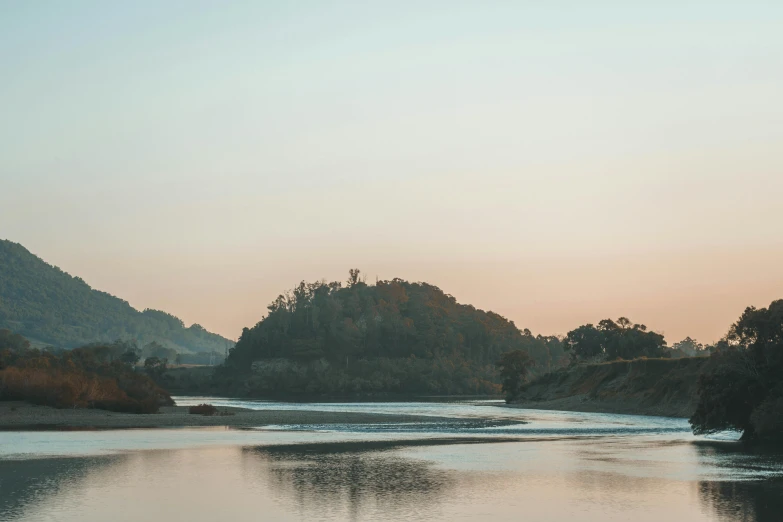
(47, 305)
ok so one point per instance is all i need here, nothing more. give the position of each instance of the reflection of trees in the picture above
(25, 482)
(756, 500)
(329, 476)
(751, 501)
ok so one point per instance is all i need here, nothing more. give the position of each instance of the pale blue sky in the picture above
(557, 162)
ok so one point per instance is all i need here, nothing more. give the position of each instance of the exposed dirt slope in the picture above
(645, 387)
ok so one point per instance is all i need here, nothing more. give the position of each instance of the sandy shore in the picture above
(18, 415)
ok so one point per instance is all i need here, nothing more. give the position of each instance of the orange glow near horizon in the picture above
(555, 165)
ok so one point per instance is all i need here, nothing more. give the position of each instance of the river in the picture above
(495, 463)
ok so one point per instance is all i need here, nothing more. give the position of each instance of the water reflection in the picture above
(355, 477)
(758, 494)
(26, 482)
(291, 482)
(589, 479)
(750, 501)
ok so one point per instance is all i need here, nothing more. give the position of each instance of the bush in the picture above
(203, 409)
(78, 379)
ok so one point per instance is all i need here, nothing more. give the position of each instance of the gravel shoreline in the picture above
(19, 415)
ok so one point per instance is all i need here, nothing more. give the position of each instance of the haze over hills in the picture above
(49, 306)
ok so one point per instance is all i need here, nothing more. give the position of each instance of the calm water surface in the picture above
(490, 463)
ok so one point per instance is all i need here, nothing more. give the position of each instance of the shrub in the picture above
(203, 409)
(78, 379)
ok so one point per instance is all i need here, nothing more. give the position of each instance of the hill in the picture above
(391, 337)
(49, 306)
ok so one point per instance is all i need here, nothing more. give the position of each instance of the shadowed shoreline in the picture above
(21, 416)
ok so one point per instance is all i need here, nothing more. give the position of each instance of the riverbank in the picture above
(583, 403)
(20, 415)
(661, 387)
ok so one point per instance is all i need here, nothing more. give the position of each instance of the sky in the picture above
(555, 162)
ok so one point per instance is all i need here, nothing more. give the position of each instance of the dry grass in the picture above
(64, 388)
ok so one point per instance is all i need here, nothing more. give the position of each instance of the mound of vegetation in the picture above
(743, 390)
(87, 377)
(391, 337)
(44, 303)
(203, 409)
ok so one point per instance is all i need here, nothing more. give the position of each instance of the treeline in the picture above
(412, 338)
(608, 341)
(394, 336)
(623, 340)
(615, 340)
(97, 376)
(44, 303)
(740, 387)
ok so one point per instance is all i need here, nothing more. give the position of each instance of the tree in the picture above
(689, 347)
(155, 367)
(155, 349)
(130, 357)
(743, 390)
(514, 367)
(13, 342)
(614, 340)
(354, 277)
(584, 342)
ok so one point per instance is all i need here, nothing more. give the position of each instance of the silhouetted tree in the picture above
(584, 342)
(688, 347)
(155, 367)
(354, 277)
(130, 357)
(743, 390)
(514, 368)
(614, 340)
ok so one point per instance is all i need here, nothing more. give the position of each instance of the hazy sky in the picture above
(555, 162)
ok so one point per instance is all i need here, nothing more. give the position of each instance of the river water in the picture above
(492, 463)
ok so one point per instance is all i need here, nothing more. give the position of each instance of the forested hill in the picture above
(47, 305)
(394, 336)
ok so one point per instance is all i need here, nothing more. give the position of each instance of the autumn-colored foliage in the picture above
(388, 337)
(78, 378)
